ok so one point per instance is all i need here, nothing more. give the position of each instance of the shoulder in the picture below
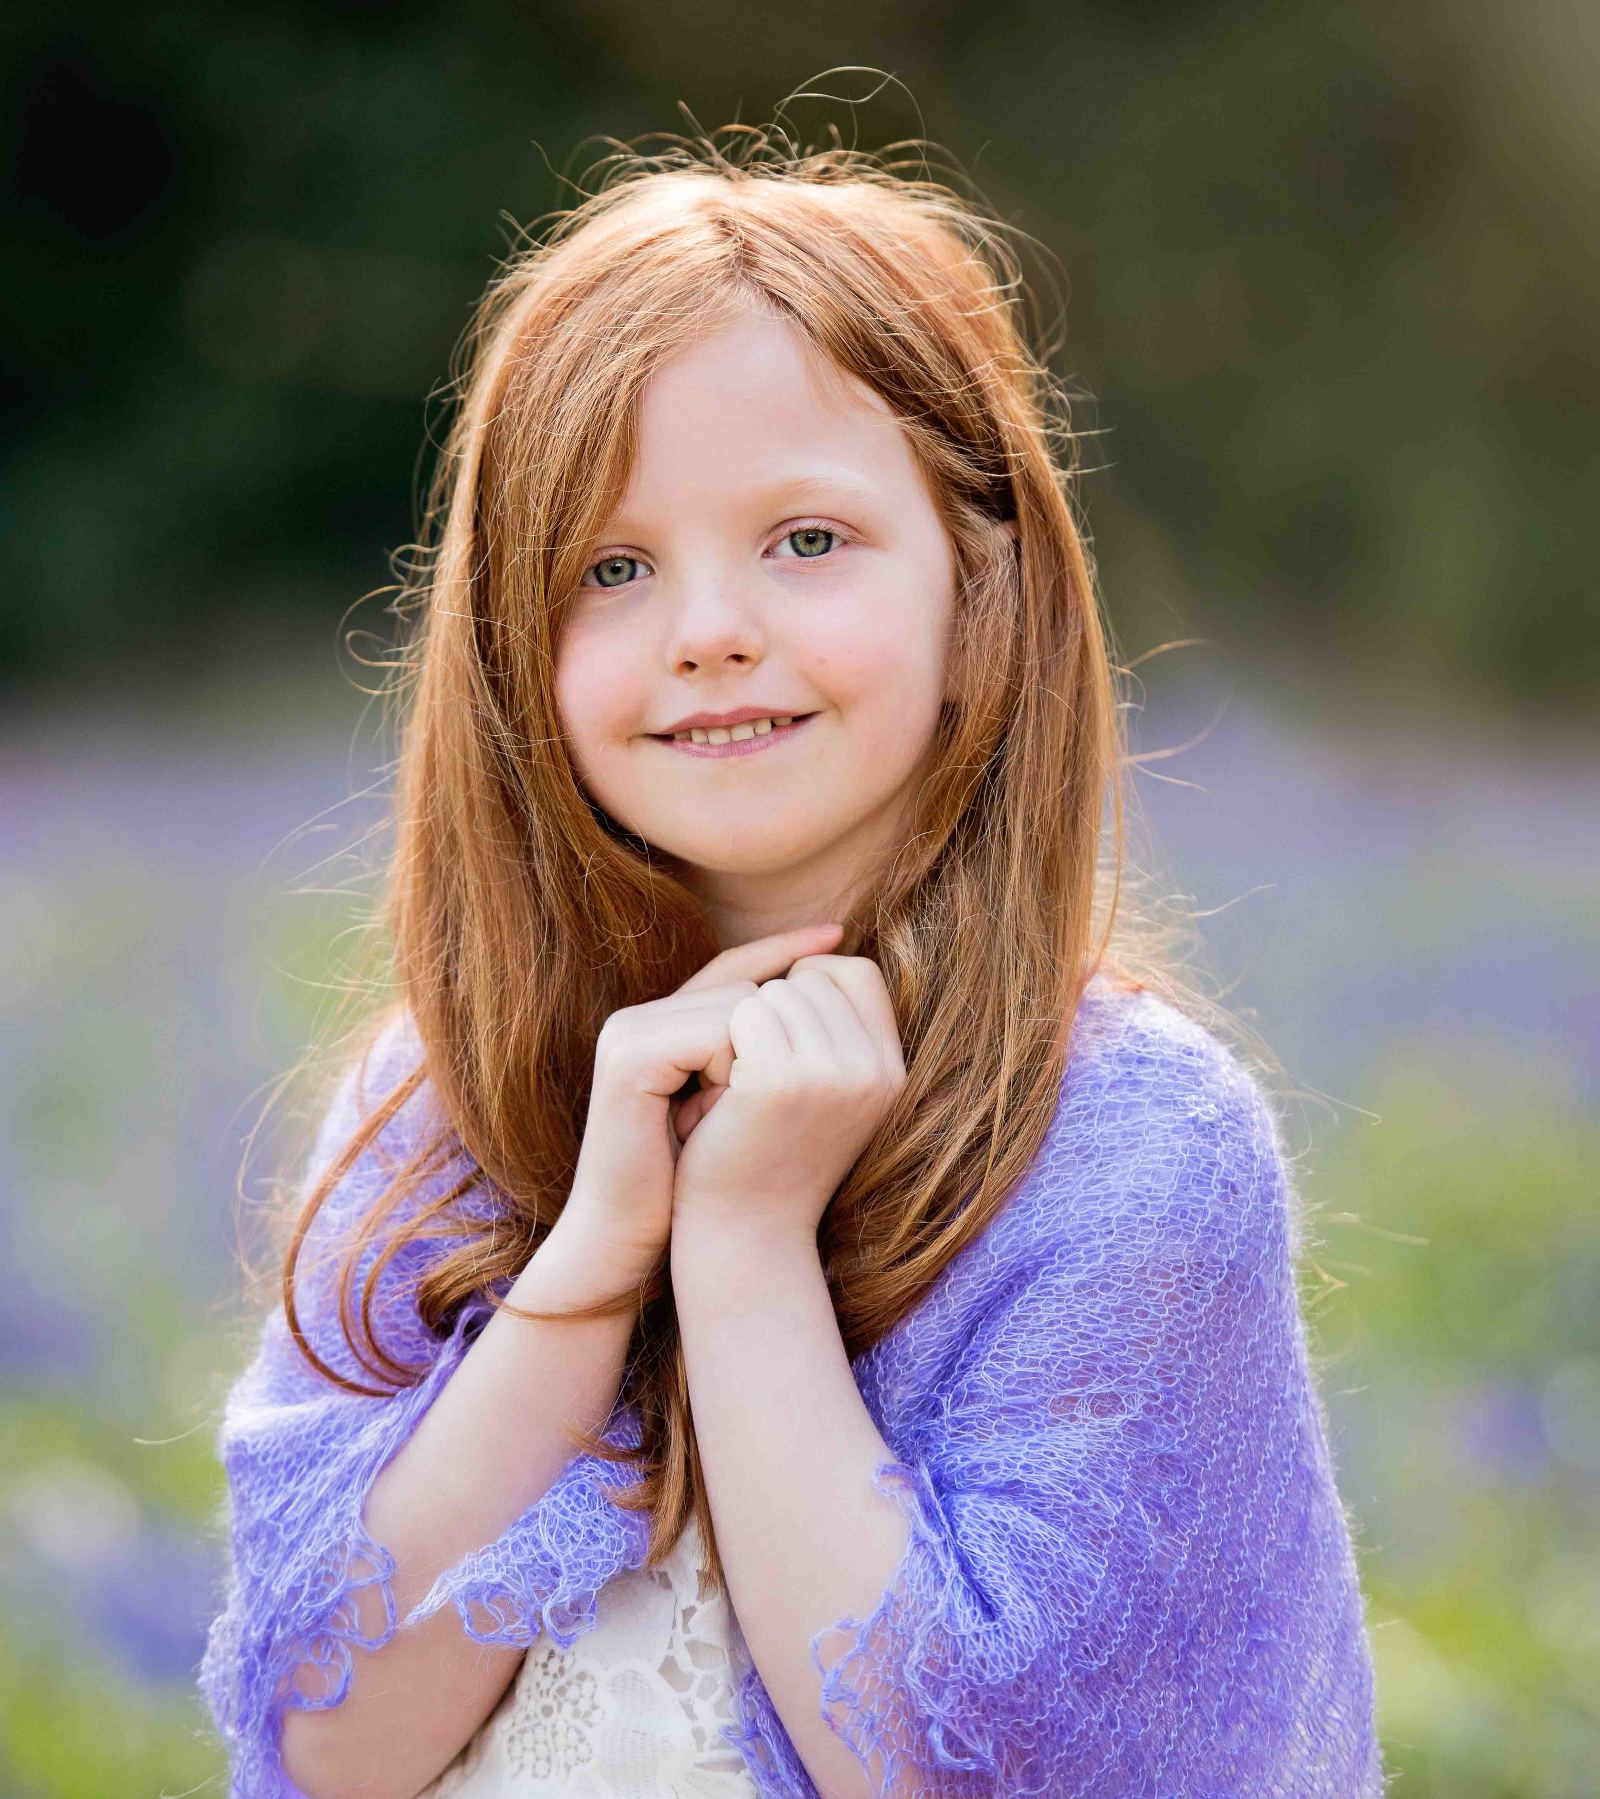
(386, 1071)
(387, 1055)
(1159, 1123)
(384, 1201)
(1135, 1053)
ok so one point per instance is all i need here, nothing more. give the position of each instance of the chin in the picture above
(762, 852)
(748, 859)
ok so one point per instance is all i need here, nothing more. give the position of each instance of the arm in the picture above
(1127, 1566)
(343, 1508)
(452, 1487)
(788, 1451)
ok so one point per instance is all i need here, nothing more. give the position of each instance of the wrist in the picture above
(579, 1261)
(713, 1239)
(741, 1279)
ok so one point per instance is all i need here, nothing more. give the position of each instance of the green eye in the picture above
(612, 571)
(811, 541)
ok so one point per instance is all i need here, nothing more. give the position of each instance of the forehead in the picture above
(753, 399)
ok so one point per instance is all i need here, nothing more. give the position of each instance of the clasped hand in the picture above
(811, 1066)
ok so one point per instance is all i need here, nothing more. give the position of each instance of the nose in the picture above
(713, 626)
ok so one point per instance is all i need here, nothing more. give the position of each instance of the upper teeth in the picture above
(754, 727)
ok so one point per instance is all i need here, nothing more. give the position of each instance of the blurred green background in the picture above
(1324, 285)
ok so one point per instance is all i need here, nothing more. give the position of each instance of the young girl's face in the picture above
(776, 556)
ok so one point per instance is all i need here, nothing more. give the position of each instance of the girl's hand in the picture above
(621, 1198)
(816, 1065)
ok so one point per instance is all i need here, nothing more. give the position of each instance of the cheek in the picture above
(593, 694)
(882, 652)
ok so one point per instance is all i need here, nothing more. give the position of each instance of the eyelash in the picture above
(833, 531)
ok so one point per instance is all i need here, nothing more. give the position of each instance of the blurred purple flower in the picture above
(1502, 1427)
(152, 1604)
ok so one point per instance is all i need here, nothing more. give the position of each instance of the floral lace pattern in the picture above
(633, 1710)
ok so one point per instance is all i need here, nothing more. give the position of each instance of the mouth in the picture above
(738, 740)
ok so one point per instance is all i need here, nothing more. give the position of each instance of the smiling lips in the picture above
(736, 740)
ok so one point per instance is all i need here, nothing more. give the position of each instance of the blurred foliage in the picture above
(1330, 287)
(68, 1731)
(1466, 1342)
(1329, 292)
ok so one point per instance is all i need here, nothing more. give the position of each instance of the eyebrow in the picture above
(825, 483)
(821, 485)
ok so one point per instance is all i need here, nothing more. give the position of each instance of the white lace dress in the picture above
(631, 1711)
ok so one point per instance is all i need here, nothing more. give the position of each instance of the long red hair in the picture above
(518, 916)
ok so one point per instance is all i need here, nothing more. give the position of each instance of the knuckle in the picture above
(615, 1025)
(615, 1044)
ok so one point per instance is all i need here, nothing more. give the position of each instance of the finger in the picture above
(862, 982)
(686, 1115)
(759, 1034)
(693, 1109)
(765, 957)
(805, 1028)
(670, 1041)
(852, 1039)
(716, 1071)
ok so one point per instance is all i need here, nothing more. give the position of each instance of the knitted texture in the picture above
(1128, 1570)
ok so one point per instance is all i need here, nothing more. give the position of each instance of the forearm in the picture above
(489, 1446)
(789, 1450)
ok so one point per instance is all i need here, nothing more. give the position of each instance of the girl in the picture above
(779, 1306)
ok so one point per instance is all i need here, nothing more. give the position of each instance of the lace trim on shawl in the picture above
(930, 1615)
(541, 1574)
(544, 1571)
(921, 1609)
(313, 1560)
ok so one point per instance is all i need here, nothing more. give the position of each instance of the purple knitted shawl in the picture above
(1128, 1573)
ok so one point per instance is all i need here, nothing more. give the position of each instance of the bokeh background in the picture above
(1326, 285)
